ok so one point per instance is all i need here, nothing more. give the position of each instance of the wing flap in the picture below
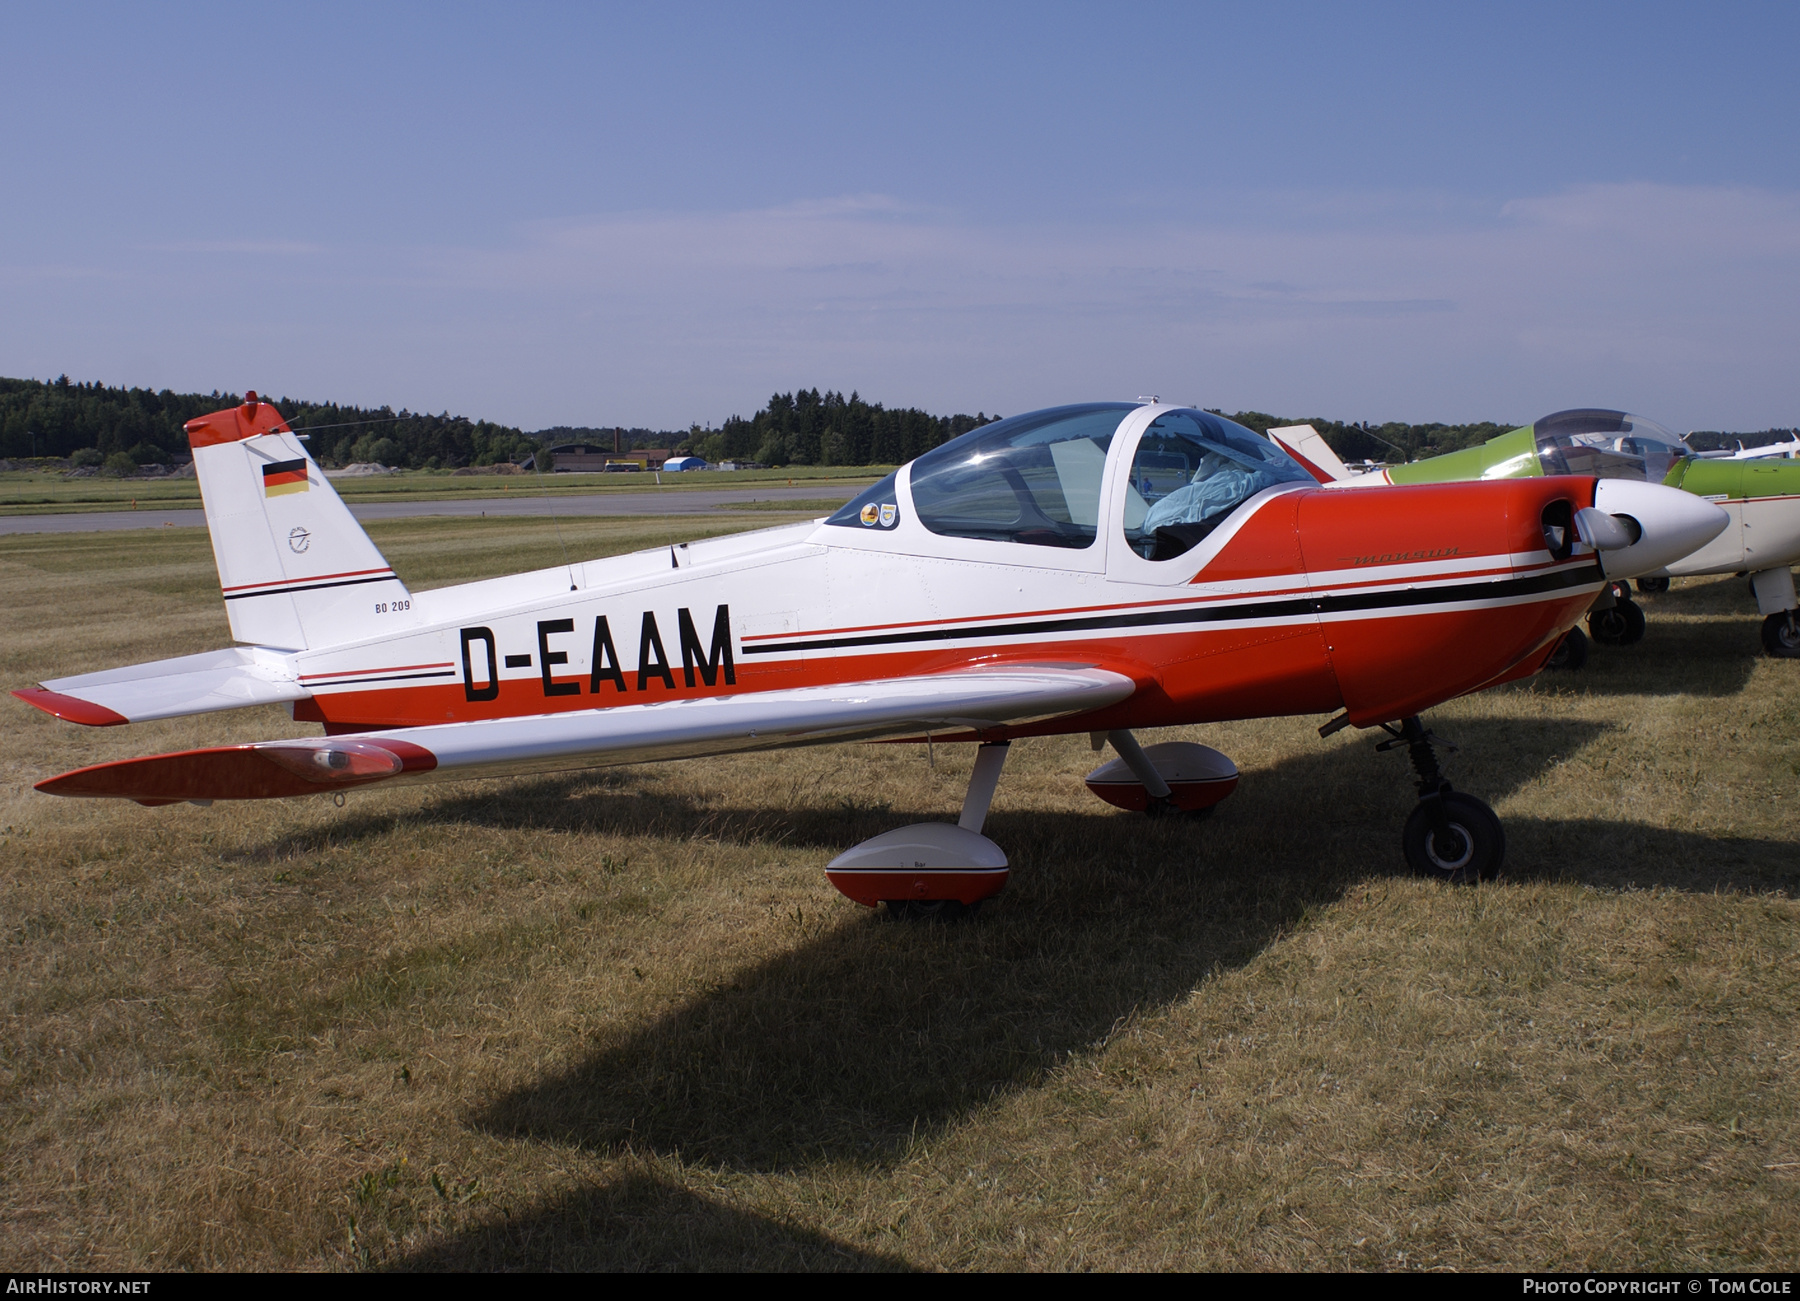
(971, 700)
(190, 684)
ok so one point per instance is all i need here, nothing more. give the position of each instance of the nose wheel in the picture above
(1620, 623)
(1460, 841)
(1449, 836)
(1781, 635)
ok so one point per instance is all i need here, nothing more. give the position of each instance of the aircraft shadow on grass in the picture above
(639, 1223)
(1711, 658)
(869, 1034)
(1693, 659)
(1494, 758)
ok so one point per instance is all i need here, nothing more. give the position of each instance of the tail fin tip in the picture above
(235, 424)
(1307, 446)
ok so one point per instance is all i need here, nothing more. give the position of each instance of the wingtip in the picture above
(69, 708)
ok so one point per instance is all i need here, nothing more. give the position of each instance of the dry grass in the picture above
(619, 1019)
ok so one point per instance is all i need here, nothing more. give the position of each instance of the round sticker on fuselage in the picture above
(871, 515)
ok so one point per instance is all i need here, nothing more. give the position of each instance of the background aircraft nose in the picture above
(1671, 524)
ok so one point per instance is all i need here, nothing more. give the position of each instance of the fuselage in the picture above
(1299, 601)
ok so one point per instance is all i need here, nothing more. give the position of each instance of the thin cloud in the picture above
(249, 247)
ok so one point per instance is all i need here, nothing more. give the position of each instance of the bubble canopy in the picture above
(1035, 479)
(1606, 443)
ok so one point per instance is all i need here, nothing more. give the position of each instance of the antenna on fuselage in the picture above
(537, 468)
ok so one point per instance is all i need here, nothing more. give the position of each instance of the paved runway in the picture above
(675, 501)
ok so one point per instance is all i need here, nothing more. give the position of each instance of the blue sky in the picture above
(658, 215)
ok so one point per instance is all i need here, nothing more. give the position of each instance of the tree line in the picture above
(805, 427)
(61, 418)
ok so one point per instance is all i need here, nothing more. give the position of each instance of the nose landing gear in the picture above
(1781, 635)
(1616, 620)
(1774, 591)
(1449, 835)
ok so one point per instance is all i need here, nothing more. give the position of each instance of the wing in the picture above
(1767, 451)
(969, 700)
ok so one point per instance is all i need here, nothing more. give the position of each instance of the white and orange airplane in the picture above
(1096, 568)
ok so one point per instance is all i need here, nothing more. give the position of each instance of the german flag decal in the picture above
(282, 477)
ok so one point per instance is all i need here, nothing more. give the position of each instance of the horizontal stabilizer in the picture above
(971, 700)
(192, 684)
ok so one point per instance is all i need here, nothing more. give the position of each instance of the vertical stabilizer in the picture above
(1308, 446)
(296, 568)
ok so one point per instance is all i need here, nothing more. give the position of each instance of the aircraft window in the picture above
(874, 508)
(1192, 469)
(1034, 478)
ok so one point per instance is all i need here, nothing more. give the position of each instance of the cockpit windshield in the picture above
(1606, 444)
(1033, 478)
(1192, 469)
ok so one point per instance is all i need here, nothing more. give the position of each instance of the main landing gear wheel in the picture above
(1621, 625)
(1653, 586)
(1781, 635)
(930, 910)
(1570, 653)
(1168, 779)
(931, 871)
(1459, 841)
(1450, 836)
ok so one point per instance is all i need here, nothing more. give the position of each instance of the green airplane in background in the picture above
(1759, 489)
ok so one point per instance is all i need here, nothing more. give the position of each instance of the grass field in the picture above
(619, 1019)
(38, 492)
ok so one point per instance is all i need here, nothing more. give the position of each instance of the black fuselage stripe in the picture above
(1485, 590)
(391, 677)
(312, 587)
